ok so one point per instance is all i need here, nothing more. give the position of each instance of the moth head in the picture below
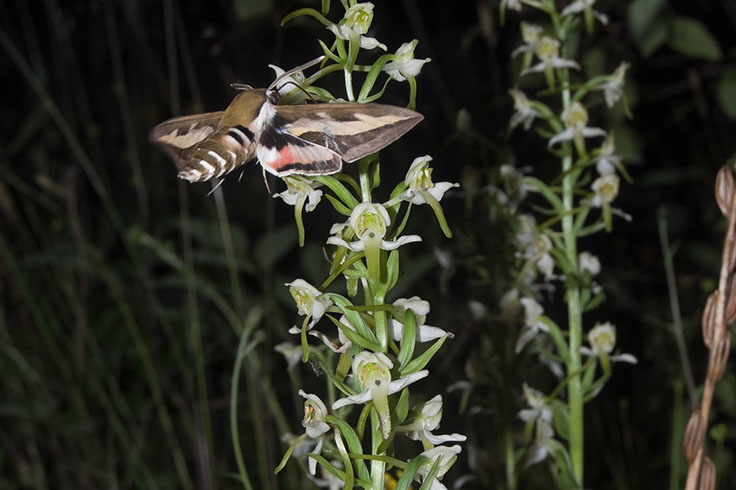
(245, 107)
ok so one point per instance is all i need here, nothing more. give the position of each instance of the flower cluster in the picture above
(374, 344)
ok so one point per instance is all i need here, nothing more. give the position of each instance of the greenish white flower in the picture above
(447, 457)
(607, 161)
(539, 408)
(420, 307)
(530, 33)
(427, 417)
(369, 221)
(419, 180)
(602, 340)
(373, 373)
(575, 119)
(300, 191)
(605, 189)
(404, 65)
(589, 262)
(613, 88)
(581, 5)
(548, 52)
(525, 113)
(314, 424)
(354, 24)
(309, 301)
(292, 353)
(543, 443)
(533, 325)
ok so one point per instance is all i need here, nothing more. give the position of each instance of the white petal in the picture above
(353, 246)
(563, 63)
(437, 440)
(592, 132)
(624, 358)
(566, 135)
(312, 461)
(371, 43)
(352, 400)
(400, 384)
(403, 240)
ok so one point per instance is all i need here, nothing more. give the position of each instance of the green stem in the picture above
(378, 467)
(575, 323)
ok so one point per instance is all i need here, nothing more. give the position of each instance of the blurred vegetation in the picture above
(126, 293)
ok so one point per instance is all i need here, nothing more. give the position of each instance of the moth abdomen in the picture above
(227, 149)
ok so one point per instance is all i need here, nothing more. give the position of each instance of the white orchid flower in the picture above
(427, 419)
(404, 65)
(373, 372)
(355, 24)
(533, 326)
(308, 301)
(420, 307)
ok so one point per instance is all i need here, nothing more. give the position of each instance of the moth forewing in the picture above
(351, 130)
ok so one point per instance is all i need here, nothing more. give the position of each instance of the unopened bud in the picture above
(719, 358)
(709, 318)
(724, 189)
(694, 435)
(731, 301)
(707, 475)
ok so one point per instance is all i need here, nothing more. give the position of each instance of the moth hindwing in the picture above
(307, 139)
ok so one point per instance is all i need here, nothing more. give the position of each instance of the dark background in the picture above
(124, 291)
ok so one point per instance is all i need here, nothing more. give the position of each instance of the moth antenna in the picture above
(294, 70)
(215, 187)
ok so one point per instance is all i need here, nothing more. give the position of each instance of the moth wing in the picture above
(175, 135)
(349, 129)
(282, 153)
(201, 149)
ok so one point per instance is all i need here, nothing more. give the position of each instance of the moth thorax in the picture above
(244, 108)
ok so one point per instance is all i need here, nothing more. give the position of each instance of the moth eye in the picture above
(273, 97)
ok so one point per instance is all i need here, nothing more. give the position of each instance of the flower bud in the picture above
(724, 189)
(694, 435)
(719, 358)
(709, 318)
(707, 475)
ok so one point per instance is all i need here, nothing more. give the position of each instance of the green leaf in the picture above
(691, 37)
(353, 317)
(402, 407)
(353, 444)
(407, 476)
(726, 93)
(646, 24)
(392, 269)
(409, 338)
(421, 361)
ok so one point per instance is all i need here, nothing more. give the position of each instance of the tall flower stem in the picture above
(574, 311)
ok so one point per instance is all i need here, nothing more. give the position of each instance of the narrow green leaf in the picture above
(421, 361)
(407, 476)
(408, 339)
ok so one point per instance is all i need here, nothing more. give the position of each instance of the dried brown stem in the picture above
(702, 472)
